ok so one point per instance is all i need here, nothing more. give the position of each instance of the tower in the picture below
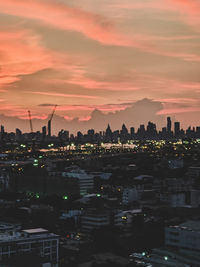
(49, 127)
(169, 124)
(176, 128)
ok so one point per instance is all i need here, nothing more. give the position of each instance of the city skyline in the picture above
(85, 56)
(171, 131)
(140, 113)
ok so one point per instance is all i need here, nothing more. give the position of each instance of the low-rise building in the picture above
(184, 237)
(38, 241)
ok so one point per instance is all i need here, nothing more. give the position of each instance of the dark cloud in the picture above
(139, 113)
(47, 105)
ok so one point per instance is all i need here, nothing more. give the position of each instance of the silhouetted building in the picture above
(141, 132)
(177, 129)
(49, 128)
(132, 131)
(169, 125)
(151, 130)
(18, 134)
(44, 132)
(108, 133)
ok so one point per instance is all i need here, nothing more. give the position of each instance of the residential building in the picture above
(38, 241)
(86, 181)
(184, 237)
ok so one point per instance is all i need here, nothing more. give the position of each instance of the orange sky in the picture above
(88, 54)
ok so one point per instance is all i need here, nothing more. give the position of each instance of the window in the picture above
(173, 240)
(54, 242)
(47, 250)
(47, 243)
(5, 249)
(174, 233)
(54, 249)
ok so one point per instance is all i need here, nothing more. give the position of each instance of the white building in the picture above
(184, 237)
(14, 242)
(86, 181)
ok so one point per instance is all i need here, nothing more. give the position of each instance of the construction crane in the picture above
(49, 122)
(30, 120)
(54, 109)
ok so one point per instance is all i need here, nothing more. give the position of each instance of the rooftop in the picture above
(193, 225)
(189, 225)
(35, 231)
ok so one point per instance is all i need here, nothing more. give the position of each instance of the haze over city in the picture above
(101, 62)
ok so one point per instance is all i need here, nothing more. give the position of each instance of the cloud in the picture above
(190, 101)
(89, 83)
(64, 17)
(139, 112)
(46, 105)
(179, 105)
(62, 95)
(87, 118)
(39, 117)
(93, 26)
(189, 10)
(178, 110)
(20, 54)
(104, 108)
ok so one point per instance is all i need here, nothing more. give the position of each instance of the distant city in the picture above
(150, 132)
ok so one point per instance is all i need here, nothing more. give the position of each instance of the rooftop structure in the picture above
(37, 241)
(184, 237)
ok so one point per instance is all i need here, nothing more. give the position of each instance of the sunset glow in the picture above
(88, 56)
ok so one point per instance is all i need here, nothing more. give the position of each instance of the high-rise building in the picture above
(132, 131)
(18, 134)
(2, 129)
(49, 128)
(124, 130)
(177, 128)
(108, 133)
(44, 132)
(141, 131)
(169, 124)
(151, 129)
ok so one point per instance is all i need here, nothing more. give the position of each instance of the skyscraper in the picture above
(177, 128)
(49, 128)
(44, 132)
(169, 124)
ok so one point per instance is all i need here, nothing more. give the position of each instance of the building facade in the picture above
(37, 241)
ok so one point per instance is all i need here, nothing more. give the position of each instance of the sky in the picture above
(99, 60)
